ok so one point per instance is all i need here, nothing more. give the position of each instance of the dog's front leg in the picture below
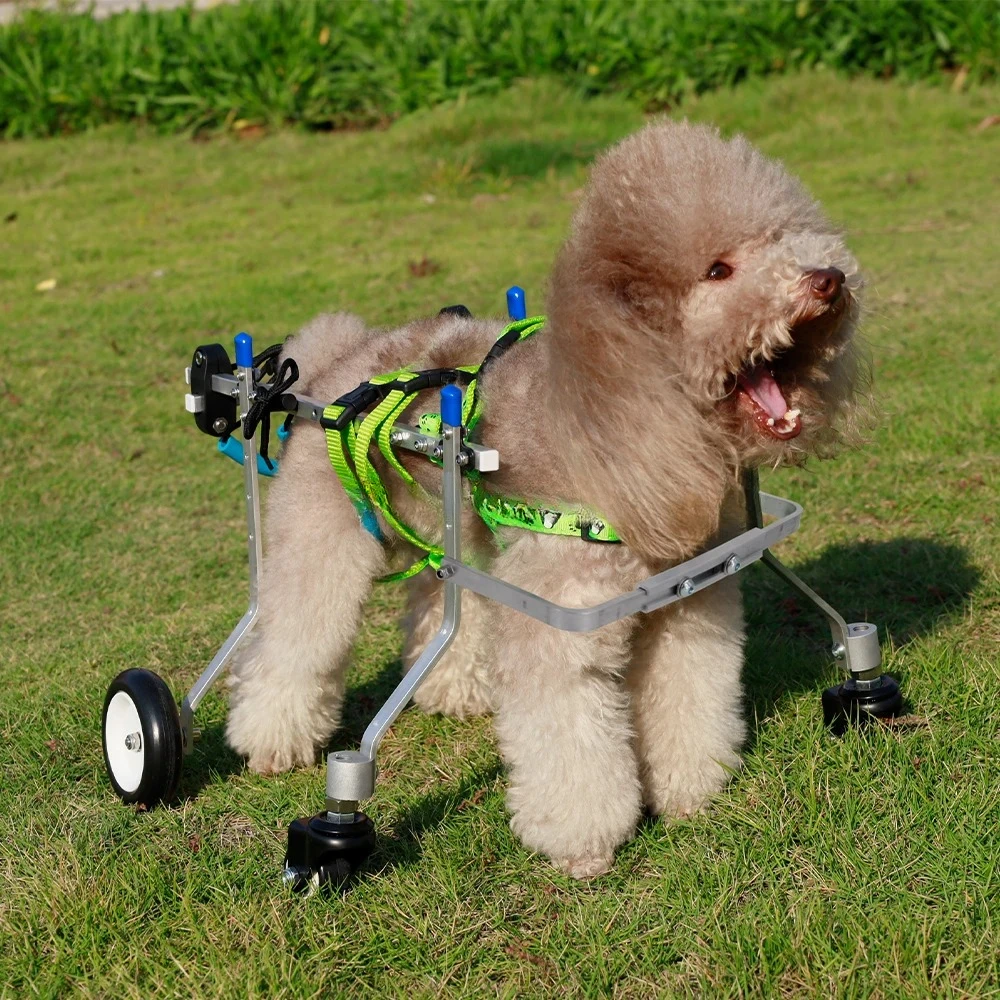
(319, 563)
(459, 684)
(686, 698)
(562, 716)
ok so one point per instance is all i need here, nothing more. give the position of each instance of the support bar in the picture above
(244, 381)
(350, 776)
(673, 584)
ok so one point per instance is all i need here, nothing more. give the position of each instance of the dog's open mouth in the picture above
(758, 389)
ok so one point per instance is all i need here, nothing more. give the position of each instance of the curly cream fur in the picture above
(624, 405)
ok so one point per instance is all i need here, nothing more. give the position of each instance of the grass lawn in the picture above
(861, 867)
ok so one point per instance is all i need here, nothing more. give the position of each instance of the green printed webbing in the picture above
(502, 512)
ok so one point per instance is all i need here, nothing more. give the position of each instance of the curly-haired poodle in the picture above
(701, 320)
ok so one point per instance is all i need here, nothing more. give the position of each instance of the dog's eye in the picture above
(719, 271)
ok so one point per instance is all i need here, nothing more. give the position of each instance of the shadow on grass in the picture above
(213, 760)
(401, 846)
(907, 587)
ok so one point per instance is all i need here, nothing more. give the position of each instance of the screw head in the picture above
(133, 742)
(733, 565)
(685, 588)
(220, 425)
(199, 358)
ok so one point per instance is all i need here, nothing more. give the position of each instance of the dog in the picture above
(701, 320)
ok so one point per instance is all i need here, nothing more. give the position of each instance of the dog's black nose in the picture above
(826, 283)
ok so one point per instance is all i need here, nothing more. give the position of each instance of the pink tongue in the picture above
(762, 387)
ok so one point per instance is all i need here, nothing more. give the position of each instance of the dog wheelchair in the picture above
(145, 736)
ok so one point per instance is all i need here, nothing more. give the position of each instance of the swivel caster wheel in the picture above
(142, 738)
(854, 704)
(324, 853)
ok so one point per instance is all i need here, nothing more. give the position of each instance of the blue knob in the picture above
(244, 350)
(451, 406)
(517, 308)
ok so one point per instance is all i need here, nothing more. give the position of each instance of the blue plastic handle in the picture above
(451, 406)
(517, 307)
(233, 449)
(244, 350)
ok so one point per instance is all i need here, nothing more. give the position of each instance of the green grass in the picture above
(328, 63)
(865, 867)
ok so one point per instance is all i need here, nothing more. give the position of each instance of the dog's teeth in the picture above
(770, 421)
(791, 415)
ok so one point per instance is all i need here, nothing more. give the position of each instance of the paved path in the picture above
(102, 8)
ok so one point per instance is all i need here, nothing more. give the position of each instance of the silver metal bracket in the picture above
(677, 583)
(243, 381)
(350, 774)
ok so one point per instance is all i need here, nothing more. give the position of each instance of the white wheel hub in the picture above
(123, 741)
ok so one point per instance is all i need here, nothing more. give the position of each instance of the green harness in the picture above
(349, 444)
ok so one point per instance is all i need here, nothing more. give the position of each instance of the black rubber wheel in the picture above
(142, 738)
(335, 873)
(848, 705)
(322, 853)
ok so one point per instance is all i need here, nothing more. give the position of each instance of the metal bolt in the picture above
(685, 588)
(438, 451)
(398, 437)
(733, 565)
(838, 651)
(220, 425)
(133, 742)
(420, 445)
(295, 876)
(445, 572)
(199, 358)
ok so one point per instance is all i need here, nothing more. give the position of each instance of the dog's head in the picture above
(699, 267)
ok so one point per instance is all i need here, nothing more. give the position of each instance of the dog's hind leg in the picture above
(319, 564)
(562, 716)
(459, 684)
(686, 699)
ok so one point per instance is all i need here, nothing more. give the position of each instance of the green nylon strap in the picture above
(472, 409)
(362, 484)
(338, 446)
(367, 492)
(368, 477)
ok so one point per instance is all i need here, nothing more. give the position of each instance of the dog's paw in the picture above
(584, 867)
(270, 741)
(460, 702)
(276, 761)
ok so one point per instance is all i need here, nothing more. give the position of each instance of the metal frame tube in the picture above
(866, 664)
(251, 491)
(350, 775)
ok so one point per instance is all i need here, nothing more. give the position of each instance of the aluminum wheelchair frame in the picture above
(332, 844)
